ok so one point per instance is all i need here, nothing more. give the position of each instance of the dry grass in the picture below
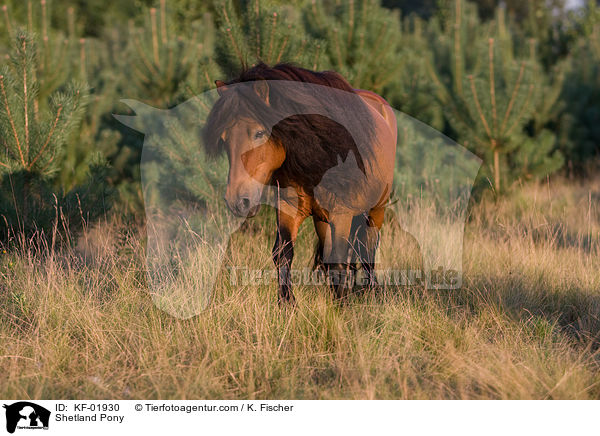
(80, 323)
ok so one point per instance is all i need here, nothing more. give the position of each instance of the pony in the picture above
(327, 150)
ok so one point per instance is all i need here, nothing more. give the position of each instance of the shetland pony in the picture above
(327, 151)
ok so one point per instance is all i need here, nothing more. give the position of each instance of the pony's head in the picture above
(284, 118)
(239, 126)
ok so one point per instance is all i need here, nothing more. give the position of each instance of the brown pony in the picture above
(328, 150)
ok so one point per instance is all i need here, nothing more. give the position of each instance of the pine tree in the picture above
(63, 56)
(161, 58)
(264, 31)
(580, 118)
(198, 176)
(33, 139)
(204, 70)
(498, 102)
(364, 40)
(93, 135)
(411, 89)
(54, 59)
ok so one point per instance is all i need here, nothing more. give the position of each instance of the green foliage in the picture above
(363, 40)
(159, 58)
(188, 174)
(499, 102)
(264, 31)
(33, 135)
(580, 119)
(205, 70)
(59, 60)
(93, 135)
(517, 84)
(411, 89)
(34, 132)
(430, 167)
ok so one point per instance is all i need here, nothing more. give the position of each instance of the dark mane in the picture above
(313, 140)
(294, 73)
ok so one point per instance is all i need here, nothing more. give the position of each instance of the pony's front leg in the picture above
(337, 254)
(283, 252)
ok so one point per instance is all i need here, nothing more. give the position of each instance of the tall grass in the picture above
(79, 322)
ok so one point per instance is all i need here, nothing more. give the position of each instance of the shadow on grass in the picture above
(575, 311)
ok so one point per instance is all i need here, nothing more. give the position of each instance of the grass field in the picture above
(79, 322)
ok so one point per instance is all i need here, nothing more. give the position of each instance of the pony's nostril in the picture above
(244, 204)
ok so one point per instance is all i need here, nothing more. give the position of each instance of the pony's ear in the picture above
(221, 87)
(261, 87)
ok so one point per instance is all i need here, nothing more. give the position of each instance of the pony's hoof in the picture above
(287, 301)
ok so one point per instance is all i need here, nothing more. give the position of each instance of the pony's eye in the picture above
(260, 134)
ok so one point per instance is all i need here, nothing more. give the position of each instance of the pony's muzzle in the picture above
(242, 207)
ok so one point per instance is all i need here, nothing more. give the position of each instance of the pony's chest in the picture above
(295, 200)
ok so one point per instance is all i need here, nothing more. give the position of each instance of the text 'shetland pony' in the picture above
(325, 149)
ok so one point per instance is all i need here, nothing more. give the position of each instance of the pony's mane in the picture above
(294, 73)
(312, 141)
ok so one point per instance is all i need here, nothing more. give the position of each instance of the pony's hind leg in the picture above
(337, 253)
(322, 229)
(357, 243)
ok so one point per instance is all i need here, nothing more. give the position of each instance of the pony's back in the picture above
(285, 71)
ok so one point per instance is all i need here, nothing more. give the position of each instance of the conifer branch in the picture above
(50, 134)
(154, 36)
(146, 62)
(71, 21)
(257, 27)
(522, 111)
(478, 106)
(206, 76)
(82, 61)
(235, 46)
(379, 41)
(300, 51)
(338, 50)
(284, 44)
(11, 120)
(316, 59)
(316, 15)
(44, 21)
(457, 55)
(7, 19)
(163, 21)
(272, 36)
(140, 74)
(492, 84)
(9, 151)
(350, 21)
(513, 96)
(29, 16)
(170, 65)
(25, 100)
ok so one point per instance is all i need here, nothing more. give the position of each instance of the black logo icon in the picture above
(26, 415)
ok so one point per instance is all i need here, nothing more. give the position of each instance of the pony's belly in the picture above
(352, 199)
